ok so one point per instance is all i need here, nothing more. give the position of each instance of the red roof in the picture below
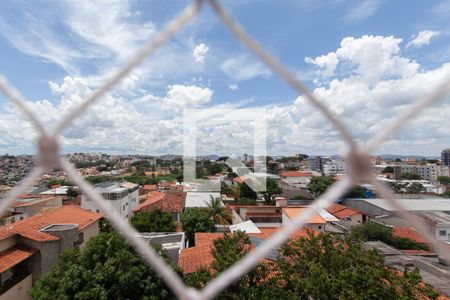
(345, 213)
(171, 201)
(410, 233)
(295, 174)
(152, 197)
(293, 212)
(192, 259)
(67, 214)
(13, 256)
(149, 187)
(335, 207)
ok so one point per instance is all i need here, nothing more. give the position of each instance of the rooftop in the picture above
(425, 204)
(13, 256)
(31, 227)
(293, 212)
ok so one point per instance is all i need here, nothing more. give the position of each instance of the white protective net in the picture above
(357, 157)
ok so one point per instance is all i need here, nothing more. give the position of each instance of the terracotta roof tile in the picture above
(30, 228)
(335, 207)
(292, 212)
(345, 213)
(295, 174)
(13, 256)
(171, 201)
(410, 233)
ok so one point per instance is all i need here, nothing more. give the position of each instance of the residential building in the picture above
(445, 157)
(171, 201)
(28, 205)
(30, 248)
(439, 224)
(316, 222)
(261, 216)
(171, 242)
(335, 167)
(122, 196)
(315, 163)
(378, 207)
(428, 172)
(345, 213)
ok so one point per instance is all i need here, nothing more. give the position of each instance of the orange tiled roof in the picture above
(30, 228)
(335, 207)
(239, 179)
(167, 202)
(150, 187)
(295, 174)
(192, 259)
(345, 213)
(152, 197)
(13, 256)
(408, 232)
(292, 212)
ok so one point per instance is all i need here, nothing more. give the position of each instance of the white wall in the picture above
(19, 291)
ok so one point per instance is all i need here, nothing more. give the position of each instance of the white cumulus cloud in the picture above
(422, 38)
(200, 52)
(242, 67)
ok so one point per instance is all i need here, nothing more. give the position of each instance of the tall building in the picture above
(445, 157)
(315, 163)
(123, 197)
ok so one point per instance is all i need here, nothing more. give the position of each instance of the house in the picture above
(171, 242)
(194, 258)
(28, 205)
(316, 222)
(171, 201)
(346, 214)
(122, 196)
(29, 248)
(261, 216)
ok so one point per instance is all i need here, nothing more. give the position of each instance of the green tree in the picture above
(108, 268)
(331, 267)
(446, 194)
(213, 169)
(218, 212)
(272, 189)
(318, 185)
(196, 220)
(96, 179)
(410, 176)
(444, 180)
(415, 188)
(312, 267)
(388, 169)
(397, 187)
(371, 231)
(356, 192)
(246, 191)
(72, 193)
(153, 221)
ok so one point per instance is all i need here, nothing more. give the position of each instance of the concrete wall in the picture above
(364, 206)
(19, 291)
(43, 261)
(7, 243)
(89, 232)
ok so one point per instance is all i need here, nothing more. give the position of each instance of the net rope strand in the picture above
(357, 158)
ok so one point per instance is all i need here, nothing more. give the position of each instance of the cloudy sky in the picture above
(368, 60)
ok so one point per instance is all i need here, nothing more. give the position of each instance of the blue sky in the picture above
(367, 59)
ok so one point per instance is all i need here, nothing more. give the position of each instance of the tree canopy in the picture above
(218, 212)
(318, 185)
(196, 220)
(108, 268)
(444, 180)
(371, 231)
(388, 169)
(153, 221)
(312, 267)
(410, 176)
(272, 189)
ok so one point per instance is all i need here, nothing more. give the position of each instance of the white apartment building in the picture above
(123, 197)
(428, 172)
(334, 167)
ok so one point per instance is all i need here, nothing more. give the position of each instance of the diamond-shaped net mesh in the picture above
(357, 157)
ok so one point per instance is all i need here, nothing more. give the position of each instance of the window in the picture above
(442, 232)
(80, 238)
